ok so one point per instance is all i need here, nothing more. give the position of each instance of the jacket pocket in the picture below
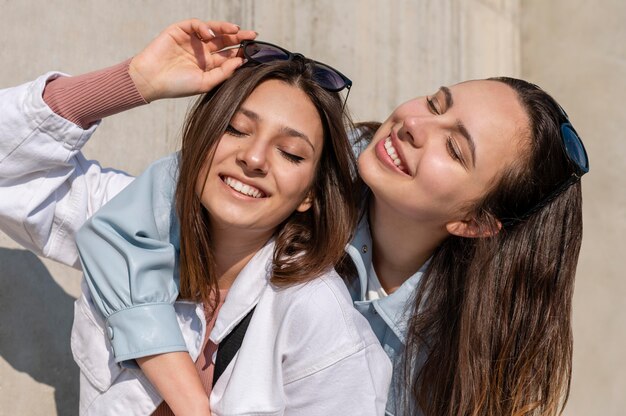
(91, 348)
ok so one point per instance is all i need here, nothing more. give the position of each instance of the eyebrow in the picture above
(284, 130)
(459, 124)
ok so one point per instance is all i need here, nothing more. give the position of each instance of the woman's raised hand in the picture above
(181, 61)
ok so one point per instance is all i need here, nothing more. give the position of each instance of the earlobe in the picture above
(306, 204)
(472, 229)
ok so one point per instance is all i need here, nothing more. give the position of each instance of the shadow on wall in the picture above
(35, 322)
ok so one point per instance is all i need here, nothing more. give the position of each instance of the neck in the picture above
(401, 245)
(233, 250)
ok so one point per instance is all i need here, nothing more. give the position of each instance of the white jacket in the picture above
(307, 351)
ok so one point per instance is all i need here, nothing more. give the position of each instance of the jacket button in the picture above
(364, 248)
(110, 332)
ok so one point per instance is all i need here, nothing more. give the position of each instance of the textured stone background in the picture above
(393, 51)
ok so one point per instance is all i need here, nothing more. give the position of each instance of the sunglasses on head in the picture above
(574, 148)
(577, 156)
(325, 76)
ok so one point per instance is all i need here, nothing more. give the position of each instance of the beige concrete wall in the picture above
(576, 50)
(392, 50)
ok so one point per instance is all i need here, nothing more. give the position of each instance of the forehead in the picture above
(276, 101)
(489, 107)
(494, 116)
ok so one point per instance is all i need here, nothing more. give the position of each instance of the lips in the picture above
(388, 153)
(393, 154)
(243, 188)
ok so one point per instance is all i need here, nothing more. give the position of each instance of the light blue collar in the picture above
(395, 309)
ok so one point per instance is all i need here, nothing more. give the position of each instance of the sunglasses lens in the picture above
(328, 78)
(574, 147)
(264, 53)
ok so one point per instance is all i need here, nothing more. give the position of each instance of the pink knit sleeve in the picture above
(87, 98)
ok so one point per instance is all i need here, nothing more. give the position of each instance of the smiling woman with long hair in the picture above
(476, 188)
(263, 192)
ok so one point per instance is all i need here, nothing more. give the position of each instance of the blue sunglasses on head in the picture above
(576, 154)
(574, 148)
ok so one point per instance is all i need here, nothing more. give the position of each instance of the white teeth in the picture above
(242, 187)
(393, 154)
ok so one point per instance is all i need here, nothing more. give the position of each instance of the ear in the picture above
(472, 229)
(306, 204)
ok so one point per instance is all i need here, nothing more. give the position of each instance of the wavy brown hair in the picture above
(490, 332)
(307, 243)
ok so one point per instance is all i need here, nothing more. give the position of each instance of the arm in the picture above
(175, 377)
(129, 254)
(47, 187)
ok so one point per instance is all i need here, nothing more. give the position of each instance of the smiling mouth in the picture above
(393, 154)
(242, 188)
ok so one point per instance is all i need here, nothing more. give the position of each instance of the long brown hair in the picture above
(490, 332)
(307, 243)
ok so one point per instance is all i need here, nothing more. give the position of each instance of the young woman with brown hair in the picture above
(464, 258)
(262, 189)
(477, 188)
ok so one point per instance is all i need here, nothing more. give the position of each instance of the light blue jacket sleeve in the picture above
(129, 253)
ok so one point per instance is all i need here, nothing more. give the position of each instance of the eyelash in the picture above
(233, 131)
(431, 105)
(454, 153)
(290, 157)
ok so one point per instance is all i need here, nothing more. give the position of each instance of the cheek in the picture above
(444, 188)
(294, 184)
(438, 176)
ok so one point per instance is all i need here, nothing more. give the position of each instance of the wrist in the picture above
(143, 85)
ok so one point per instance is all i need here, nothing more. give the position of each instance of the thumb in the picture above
(221, 73)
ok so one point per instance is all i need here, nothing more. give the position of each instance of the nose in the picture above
(252, 157)
(412, 131)
(416, 129)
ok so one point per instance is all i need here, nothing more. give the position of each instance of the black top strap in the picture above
(229, 346)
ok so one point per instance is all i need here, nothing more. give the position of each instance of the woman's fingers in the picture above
(218, 33)
(190, 50)
(224, 41)
(222, 28)
(220, 73)
(223, 55)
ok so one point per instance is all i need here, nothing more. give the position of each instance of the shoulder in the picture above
(320, 325)
(155, 187)
(166, 165)
(323, 297)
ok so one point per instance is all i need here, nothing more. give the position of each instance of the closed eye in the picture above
(454, 151)
(291, 157)
(432, 106)
(233, 131)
